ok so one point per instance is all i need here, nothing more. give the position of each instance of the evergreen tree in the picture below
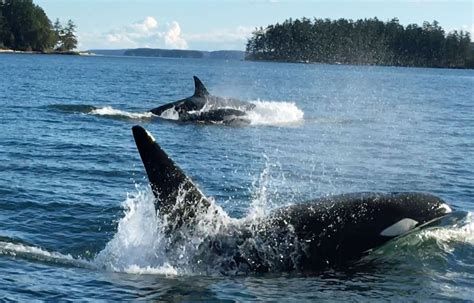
(58, 32)
(68, 39)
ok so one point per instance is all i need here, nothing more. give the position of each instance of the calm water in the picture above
(76, 215)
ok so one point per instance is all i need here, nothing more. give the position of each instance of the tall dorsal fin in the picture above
(199, 88)
(176, 195)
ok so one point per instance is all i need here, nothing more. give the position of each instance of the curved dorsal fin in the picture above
(199, 88)
(176, 195)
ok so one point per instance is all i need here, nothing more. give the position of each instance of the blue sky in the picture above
(224, 24)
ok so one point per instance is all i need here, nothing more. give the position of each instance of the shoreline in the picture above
(359, 64)
(71, 53)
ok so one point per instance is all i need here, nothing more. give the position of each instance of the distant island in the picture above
(172, 53)
(365, 42)
(24, 26)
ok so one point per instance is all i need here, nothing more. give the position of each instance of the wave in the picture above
(106, 111)
(30, 252)
(109, 111)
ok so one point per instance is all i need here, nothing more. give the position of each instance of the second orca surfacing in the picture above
(326, 232)
(205, 108)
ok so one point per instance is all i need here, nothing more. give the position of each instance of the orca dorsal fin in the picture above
(199, 88)
(175, 193)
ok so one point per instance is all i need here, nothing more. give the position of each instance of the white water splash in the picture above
(137, 246)
(274, 113)
(460, 233)
(264, 113)
(259, 205)
(166, 270)
(109, 111)
(141, 246)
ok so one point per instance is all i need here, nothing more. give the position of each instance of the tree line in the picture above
(365, 41)
(25, 26)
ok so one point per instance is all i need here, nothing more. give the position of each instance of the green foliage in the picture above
(367, 41)
(25, 26)
(3, 26)
(66, 37)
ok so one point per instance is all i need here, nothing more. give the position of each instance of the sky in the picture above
(227, 24)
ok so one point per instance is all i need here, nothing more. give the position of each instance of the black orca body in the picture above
(327, 232)
(204, 107)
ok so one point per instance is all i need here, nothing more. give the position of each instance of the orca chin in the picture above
(332, 231)
(205, 108)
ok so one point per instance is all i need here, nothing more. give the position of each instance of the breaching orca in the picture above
(331, 231)
(204, 107)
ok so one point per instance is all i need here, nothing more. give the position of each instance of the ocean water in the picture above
(76, 213)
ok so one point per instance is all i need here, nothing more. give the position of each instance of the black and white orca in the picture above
(204, 107)
(326, 232)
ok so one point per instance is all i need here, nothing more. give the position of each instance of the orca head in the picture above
(361, 222)
(396, 214)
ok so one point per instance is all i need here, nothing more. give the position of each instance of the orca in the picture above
(327, 232)
(204, 107)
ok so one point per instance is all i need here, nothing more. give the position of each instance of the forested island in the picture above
(24, 26)
(367, 41)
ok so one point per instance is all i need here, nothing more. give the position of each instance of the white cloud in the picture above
(173, 37)
(148, 24)
(146, 33)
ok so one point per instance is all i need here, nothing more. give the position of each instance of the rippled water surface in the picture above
(76, 214)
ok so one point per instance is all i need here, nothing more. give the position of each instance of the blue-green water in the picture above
(76, 215)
